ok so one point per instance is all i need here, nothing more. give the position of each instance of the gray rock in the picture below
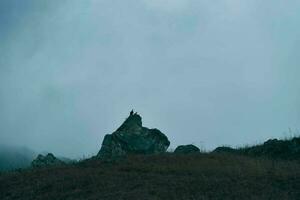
(48, 160)
(224, 149)
(132, 138)
(187, 149)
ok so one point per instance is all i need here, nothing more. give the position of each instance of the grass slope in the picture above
(168, 176)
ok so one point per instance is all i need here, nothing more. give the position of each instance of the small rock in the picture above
(187, 149)
(224, 150)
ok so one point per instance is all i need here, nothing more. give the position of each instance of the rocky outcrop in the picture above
(132, 138)
(48, 160)
(273, 148)
(187, 149)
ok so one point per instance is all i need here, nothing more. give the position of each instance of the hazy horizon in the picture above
(209, 73)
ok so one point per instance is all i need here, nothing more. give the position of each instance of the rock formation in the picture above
(48, 160)
(187, 149)
(132, 137)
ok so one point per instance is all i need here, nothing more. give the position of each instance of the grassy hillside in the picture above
(168, 176)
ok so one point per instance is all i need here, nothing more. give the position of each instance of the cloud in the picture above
(167, 5)
(220, 72)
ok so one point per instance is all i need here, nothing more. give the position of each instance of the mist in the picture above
(204, 72)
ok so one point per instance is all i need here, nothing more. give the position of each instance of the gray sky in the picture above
(203, 72)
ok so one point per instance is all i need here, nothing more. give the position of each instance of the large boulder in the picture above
(187, 149)
(47, 160)
(132, 138)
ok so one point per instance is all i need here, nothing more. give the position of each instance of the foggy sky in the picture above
(211, 73)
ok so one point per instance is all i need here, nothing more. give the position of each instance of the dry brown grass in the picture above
(169, 176)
